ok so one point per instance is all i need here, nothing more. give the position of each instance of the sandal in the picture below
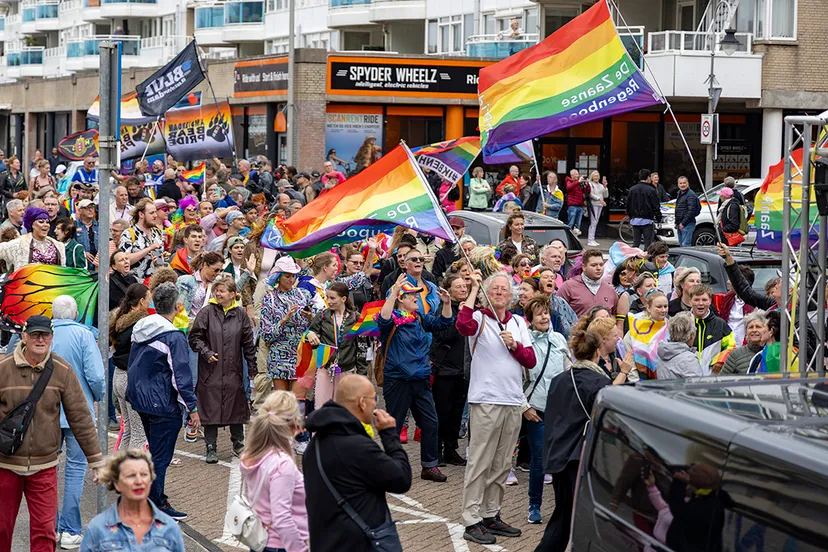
(176, 462)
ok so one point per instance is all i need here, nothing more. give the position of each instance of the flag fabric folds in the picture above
(366, 325)
(163, 89)
(519, 153)
(271, 237)
(391, 192)
(196, 175)
(580, 73)
(450, 159)
(312, 357)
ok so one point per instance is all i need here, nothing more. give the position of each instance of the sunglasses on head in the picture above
(415, 259)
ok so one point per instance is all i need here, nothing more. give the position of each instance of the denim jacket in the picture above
(87, 237)
(107, 532)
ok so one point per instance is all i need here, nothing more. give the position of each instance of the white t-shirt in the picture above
(518, 245)
(496, 377)
(736, 321)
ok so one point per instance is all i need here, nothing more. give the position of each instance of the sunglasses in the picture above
(415, 260)
(525, 263)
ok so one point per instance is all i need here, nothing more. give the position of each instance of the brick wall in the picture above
(309, 110)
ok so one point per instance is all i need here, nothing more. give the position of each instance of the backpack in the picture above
(743, 219)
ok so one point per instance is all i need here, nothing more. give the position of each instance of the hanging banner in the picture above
(139, 138)
(76, 147)
(130, 111)
(196, 133)
(164, 88)
(346, 132)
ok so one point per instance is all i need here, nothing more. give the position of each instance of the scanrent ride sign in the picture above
(580, 73)
(165, 87)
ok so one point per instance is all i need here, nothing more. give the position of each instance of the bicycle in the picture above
(625, 230)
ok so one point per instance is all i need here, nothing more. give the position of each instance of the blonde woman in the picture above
(598, 193)
(272, 480)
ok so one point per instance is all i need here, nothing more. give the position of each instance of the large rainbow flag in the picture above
(579, 73)
(391, 192)
(450, 159)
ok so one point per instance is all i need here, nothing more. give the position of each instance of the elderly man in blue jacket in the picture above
(160, 386)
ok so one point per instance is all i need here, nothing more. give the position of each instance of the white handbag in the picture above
(243, 522)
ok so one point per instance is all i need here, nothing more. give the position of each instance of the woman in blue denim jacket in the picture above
(133, 523)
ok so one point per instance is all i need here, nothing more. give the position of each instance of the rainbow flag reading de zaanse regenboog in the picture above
(450, 159)
(196, 175)
(391, 192)
(579, 73)
(366, 325)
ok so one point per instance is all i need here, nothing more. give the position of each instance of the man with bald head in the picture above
(170, 186)
(283, 201)
(120, 209)
(344, 444)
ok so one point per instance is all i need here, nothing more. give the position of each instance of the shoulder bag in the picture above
(243, 523)
(543, 369)
(14, 426)
(385, 537)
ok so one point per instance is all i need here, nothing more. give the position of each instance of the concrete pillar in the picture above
(78, 122)
(29, 139)
(773, 127)
(454, 121)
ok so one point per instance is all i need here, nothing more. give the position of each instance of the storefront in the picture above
(259, 128)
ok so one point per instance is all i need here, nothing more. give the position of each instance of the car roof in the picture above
(742, 254)
(531, 219)
(751, 410)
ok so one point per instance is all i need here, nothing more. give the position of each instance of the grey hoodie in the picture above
(677, 360)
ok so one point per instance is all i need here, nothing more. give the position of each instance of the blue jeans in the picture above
(75, 471)
(113, 415)
(400, 396)
(685, 236)
(534, 431)
(161, 432)
(574, 214)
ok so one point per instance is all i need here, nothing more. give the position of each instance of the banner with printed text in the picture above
(202, 132)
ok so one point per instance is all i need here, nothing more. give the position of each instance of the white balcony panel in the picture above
(243, 32)
(213, 36)
(117, 9)
(398, 10)
(684, 75)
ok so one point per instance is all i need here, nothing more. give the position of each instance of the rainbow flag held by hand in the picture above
(196, 175)
(450, 159)
(391, 192)
(580, 73)
(645, 335)
(519, 153)
(312, 357)
(367, 324)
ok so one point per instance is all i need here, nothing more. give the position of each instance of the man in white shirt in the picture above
(120, 209)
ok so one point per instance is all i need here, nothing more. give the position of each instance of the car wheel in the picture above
(704, 236)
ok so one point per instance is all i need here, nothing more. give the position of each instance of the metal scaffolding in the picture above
(802, 261)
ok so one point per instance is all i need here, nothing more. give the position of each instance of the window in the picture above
(468, 28)
(530, 17)
(488, 24)
(432, 36)
(451, 34)
(775, 19)
(479, 231)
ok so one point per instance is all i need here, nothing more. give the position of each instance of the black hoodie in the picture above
(359, 470)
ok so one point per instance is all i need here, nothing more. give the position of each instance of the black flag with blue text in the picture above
(165, 87)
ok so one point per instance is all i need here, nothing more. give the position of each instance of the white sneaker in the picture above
(300, 448)
(547, 479)
(576, 231)
(593, 243)
(512, 479)
(70, 542)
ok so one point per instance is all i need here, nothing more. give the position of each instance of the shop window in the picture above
(415, 127)
(256, 131)
(634, 146)
(776, 19)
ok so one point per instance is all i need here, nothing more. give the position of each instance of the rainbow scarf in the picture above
(646, 334)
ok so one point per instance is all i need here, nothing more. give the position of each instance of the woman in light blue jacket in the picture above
(552, 358)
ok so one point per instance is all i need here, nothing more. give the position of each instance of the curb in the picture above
(200, 539)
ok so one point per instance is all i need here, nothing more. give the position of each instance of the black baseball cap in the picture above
(315, 174)
(303, 175)
(38, 323)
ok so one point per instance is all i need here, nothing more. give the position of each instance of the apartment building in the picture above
(774, 71)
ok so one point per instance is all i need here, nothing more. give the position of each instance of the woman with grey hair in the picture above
(677, 359)
(757, 335)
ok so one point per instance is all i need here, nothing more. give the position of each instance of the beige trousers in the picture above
(493, 431)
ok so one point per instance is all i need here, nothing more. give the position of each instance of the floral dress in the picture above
(283, 334)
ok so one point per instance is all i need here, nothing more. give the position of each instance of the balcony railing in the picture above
(29, 14)
(29, 55)
(48, 10)
(129, 2)
(12, 20)
(69, 5)
(494, 46)
(346, 3)
(243, 12)
(2, 23)
(89, 46)
(209, 17)
(690, 42)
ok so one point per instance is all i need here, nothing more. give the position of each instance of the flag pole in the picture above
(155, 124)
(675, 121)
(482, 289)
(216, 102)
(538, 176)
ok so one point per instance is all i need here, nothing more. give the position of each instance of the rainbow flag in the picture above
(271, 237)
(580, 73)
(196, 175)
(391, 192)
(367, 324)
(450, 159)
(646, 334)
(312, 357)
(519, 153)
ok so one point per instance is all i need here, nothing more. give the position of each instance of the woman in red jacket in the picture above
(574, 201)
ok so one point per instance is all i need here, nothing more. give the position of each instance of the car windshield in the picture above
(762, 272)
(544, 234)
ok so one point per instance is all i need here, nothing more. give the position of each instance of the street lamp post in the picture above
(729, 44)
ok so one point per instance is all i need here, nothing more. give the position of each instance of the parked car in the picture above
(705, 233)
(765, 265)
(486, 227)
(720, 464)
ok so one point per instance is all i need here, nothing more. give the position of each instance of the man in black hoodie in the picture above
(342, 438)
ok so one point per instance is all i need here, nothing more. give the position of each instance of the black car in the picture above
(718, 464)
(486, 228)
(765, 265)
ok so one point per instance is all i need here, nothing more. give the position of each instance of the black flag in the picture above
(165, 87)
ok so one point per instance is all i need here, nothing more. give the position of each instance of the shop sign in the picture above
(260, 77)
(403, 77)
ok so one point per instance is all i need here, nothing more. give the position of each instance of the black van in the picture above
(736, 464)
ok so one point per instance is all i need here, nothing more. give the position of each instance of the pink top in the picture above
(281, 502)
(575, 292)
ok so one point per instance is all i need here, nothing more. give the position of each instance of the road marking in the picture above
(233, 487)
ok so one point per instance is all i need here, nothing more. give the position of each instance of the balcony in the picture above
(27, 62)
(47, 16)
(387, 11)
(243, 21)
(29, 18)
(158, 50)
(209, 23)
(92, 11)
(2, 29)
(116, 9)
(349, 13)
(84, 53)
(680, 62)
(495, 47)
(354, 13)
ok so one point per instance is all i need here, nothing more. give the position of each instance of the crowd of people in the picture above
(473, 341)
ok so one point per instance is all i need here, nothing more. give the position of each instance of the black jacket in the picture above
(688, 207)
(359, 470)
(10, 185)
(565, 419)
(169, 189)
(118, 284)
(642, 202)
(745, 291)
(389, 281)
(728, 213)
(323, 326)
(443, 260)
(448, 349)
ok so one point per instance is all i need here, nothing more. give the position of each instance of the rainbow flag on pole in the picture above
(196, 175)
(391, 192)
(367, 323)
(450, 159)
(580, 73)
(312, 357)
(519, 153)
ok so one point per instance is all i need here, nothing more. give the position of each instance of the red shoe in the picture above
(404, 435)
(417, 434)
